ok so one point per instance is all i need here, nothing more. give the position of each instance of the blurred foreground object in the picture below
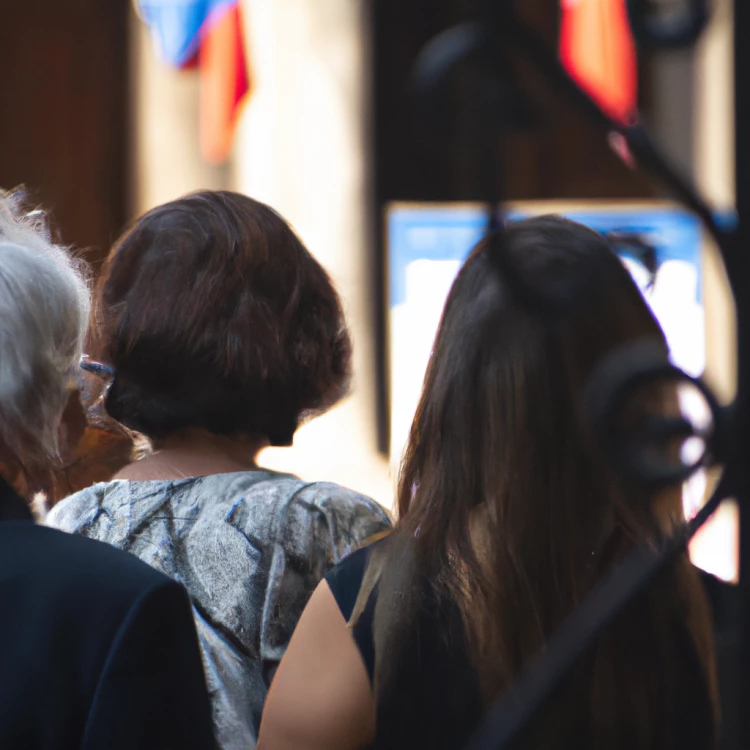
(667, 24)
(728, 435)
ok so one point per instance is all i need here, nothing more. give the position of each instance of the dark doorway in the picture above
(64, 113)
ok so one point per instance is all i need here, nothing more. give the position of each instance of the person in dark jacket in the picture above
(97, 649)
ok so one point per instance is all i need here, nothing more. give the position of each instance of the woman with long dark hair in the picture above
(509, 514)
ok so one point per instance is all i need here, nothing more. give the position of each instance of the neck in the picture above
(195, 453)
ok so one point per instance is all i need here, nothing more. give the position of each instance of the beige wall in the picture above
(164, 130)
(693, 123)
(302, 148)
(716, 547)
(714, 173)
(691, 120)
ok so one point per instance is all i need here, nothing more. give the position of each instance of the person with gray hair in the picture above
(44, 309)
(97, 649)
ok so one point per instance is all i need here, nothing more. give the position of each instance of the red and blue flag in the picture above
(207, 34)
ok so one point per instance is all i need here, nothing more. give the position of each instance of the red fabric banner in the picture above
(597, 49)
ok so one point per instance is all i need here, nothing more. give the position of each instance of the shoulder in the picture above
(80, 509)
(298, 713)
(347, 507)
(86, 559)
(323, 513)
(341, 500)
(345, 582)
(75, 571)
(290, 489)
(345, 579)
(108, 637)
(352, 519)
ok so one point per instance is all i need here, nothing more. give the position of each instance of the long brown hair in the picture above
(509, 513)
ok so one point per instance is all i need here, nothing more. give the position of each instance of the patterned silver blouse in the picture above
(249, 547)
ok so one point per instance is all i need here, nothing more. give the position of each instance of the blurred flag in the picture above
(207, 34)
(597, 49)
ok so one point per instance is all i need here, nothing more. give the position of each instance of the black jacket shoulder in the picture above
(97, 649)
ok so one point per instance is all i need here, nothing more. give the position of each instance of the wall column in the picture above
(303, 148)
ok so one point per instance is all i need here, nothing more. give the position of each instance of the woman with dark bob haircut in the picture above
(224, 334)
(509, 514)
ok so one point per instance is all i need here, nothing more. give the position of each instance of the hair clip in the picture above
(96, 368)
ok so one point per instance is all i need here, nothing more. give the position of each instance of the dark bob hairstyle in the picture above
(215, 315)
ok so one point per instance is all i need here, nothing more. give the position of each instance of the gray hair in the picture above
(44, 309)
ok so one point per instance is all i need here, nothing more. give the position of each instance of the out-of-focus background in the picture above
(100, 127)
